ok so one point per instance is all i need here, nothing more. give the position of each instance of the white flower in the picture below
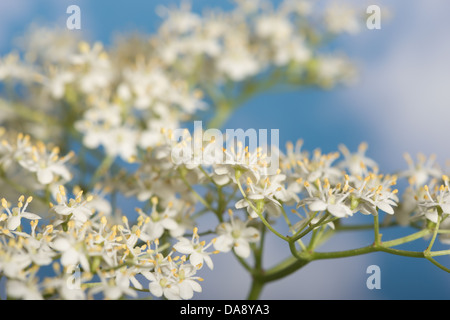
(196, 250)
(239, 161)
(17, 213)
(26, 290)
(97, 70)
(47, 166)
(13, 262)
(318, 166)
(334, 69)
(341, 18)
(17, 152)
(187, 282)
(267, 194)
(77, 207)
(183, 218)
(122, 142)
(39, 251)
(373, 194)
(96, 122)
(445, 225)
(294, 50)
(180, 20)
(328, 199)
(172, 280)
(57, 83)
(236, 61)
(236, 235)
(356, 163)
(438, 200)
(155, 224)
(115, 287)
(420, 172)
(72, 252)
(12, 67)
(161, 284)
(65, 286)
(274, 27)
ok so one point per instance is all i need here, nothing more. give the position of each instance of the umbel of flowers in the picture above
(86, 130)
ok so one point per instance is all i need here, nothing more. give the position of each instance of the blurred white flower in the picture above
(341, 18)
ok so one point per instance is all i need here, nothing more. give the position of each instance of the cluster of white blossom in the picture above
(30, 165)
(116, 257)
(119, 98)
(427, 196)
(128, 103)
(262, 36)
(113, 259)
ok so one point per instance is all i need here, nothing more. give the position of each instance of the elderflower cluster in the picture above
(262, 36)
(114, 259)
(121, 111)
(119, 98)
(32, 165)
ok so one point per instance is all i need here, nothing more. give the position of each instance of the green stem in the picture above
(288, 222)
(439, 253)
(437, 263)
(435, 232)
(300, 235)
(376, 228)
(286, 267)
(417, 235)
(255, 289)
(258, 211)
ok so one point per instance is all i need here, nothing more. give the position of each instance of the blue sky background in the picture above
(401, 103)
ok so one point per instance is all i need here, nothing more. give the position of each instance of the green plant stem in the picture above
(414, 236)
(256, 289)
(376, 228)
(258, 212)
(435, 232)
(299, 259)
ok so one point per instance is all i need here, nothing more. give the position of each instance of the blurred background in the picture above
(400, 103)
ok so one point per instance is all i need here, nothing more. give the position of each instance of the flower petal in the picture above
(318, 205)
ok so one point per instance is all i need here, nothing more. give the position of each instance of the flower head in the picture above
(236, 235)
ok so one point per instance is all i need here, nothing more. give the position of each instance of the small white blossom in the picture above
(72, 252)
(17, 213)
(76, 207)
(156, 223)
(47, 165)
(328, 199)
(419, 173)
(342, 18)
(26, 290)
(196, 250)
(440, 199)
(373, 194)
(356, 163)
(236, 235)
